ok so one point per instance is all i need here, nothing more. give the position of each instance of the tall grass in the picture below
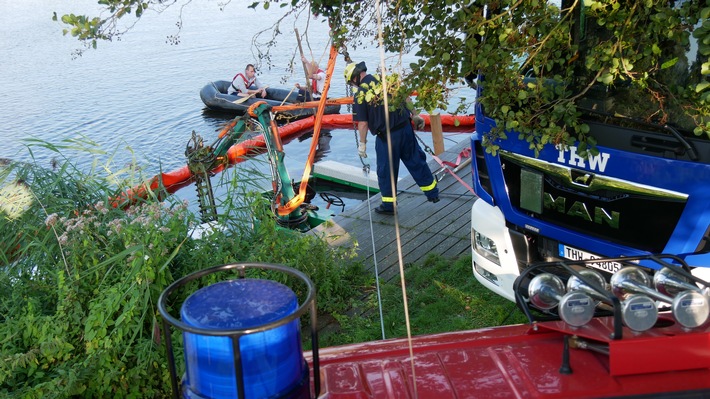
(80, 279)
(442, 296)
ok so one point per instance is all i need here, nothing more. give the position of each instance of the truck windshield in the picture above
(660, 104)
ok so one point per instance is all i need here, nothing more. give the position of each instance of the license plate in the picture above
(578, 254)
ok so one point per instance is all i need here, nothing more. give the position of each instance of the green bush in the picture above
(81, 279)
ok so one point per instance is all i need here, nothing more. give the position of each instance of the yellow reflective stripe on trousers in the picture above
(387, 199)
(429, 187)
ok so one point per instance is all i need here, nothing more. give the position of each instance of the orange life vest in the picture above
(247, 83)
(314, 83)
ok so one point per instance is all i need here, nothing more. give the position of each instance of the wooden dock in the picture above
(423, 227)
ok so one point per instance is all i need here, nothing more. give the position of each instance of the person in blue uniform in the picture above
(371, 116)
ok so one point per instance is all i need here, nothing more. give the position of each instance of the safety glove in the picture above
(419, 123)
(362, 149)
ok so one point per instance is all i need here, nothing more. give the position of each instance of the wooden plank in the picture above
(436, 133)
(424, 227)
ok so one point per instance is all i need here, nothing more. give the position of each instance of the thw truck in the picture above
(646, 191)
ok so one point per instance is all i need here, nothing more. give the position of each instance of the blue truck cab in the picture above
(646, 191)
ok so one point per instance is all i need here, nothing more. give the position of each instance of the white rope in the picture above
(310, 50)
(366, 169)
(394, 195)
(325, 50)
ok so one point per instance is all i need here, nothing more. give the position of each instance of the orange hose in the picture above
(252, 107)
(227, 128)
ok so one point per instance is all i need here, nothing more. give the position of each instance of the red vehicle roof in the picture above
(523, 361)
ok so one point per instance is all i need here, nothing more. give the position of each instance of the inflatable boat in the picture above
(214, 95)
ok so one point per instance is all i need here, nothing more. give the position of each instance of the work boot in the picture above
(434, 200)
(384, 211)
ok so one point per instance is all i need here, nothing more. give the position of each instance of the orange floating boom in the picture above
(178, 178)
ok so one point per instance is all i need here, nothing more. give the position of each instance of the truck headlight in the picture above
(485, 247)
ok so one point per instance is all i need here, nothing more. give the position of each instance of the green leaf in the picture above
(669, 63)
(606, 78)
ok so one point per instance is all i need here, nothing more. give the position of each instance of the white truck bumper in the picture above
(494, 263)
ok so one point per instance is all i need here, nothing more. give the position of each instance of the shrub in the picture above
(81, 279)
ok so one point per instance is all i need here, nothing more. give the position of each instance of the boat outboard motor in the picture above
(689, 308)
(638, 311)
(547, 291)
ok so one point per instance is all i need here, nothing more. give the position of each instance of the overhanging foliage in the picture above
(501, 39)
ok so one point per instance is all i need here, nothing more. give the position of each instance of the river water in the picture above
(138, 97)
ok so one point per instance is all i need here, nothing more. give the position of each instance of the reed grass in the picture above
(80, 279)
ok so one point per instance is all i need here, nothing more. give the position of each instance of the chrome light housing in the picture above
(485, 247)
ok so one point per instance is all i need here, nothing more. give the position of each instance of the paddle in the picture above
(244, 98)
